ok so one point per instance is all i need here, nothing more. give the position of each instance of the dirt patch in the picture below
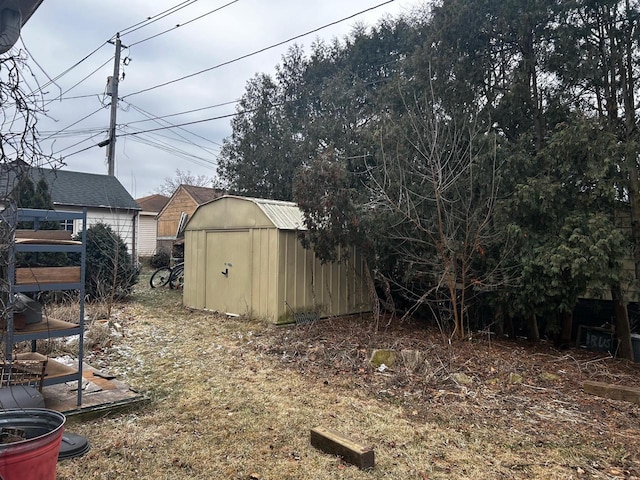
(235, 398)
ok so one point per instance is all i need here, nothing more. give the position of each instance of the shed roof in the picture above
(283, 215)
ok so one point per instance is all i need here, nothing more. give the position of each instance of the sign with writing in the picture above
(600, 341)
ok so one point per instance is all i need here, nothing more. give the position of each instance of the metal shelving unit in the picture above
(41, 279)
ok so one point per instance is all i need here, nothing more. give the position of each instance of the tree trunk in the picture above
(566, 330)
(532, 329)
(373, 296)
(621, 319)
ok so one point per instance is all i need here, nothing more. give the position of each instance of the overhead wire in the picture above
(76, 97)
(181, 137)
(73, 133)
(60, 75)
(157, 119)
(137, 133)
(194, 122)
(79, 151)
(168, 148)
(264, 49)
(74, 123)
(80, 142)
(162, 117)
(183, 24)
(78, 83)
(130, 29)
(150, 140)
(188, 142)
(127, 30)
(38, 64)
(171, 126)
(155, 18)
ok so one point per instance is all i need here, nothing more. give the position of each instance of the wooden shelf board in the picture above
(46, 325)
(47, 275)
(54, 369)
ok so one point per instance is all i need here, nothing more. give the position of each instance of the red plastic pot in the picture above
(35, 457)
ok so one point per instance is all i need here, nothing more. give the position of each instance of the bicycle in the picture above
(176, 280)
(173, 276)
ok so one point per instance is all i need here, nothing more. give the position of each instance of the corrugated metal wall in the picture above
(305, 284)
(195, 258)
(264, 246)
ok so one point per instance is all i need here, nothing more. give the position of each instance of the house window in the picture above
(66, 225)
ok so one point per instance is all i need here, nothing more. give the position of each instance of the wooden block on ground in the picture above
(335, 443)
(614, 392)
(103, 383)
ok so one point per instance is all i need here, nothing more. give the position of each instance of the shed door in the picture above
(228, 277)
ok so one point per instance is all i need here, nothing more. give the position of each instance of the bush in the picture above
(161, 258)
(110, 272)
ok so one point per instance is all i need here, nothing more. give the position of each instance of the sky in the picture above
(61, 33)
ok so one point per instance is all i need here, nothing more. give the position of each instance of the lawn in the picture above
(235, 398)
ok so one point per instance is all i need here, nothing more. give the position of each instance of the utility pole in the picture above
(113, 91)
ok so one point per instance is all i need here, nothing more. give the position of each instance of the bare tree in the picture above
(171, 184)
(437, 186)
(19, 151)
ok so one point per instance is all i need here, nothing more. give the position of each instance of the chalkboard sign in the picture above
(600, 340)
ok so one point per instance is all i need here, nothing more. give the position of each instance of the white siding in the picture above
(147, 231)
(123, 223)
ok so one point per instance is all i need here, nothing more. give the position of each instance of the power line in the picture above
(174, 151)
(81, 141)
(56, 78)
(260, 50)
(150, 115)
(74, 123)
(175, 133)
(208, 150)
(36, 62)
(155, 18)
(183, 24)
(194, 122)
(187, 123)
(73, 133)
(76, 97)
(80, 151)
(130, 134)
(162, 117)
(78, 83)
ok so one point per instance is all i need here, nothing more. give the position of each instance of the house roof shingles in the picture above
(201, 194)
(69, 188)
(85, 189)
(152, 203)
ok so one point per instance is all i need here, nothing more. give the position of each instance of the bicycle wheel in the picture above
(177, 277)
(160, 277)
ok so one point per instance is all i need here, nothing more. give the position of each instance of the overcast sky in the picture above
(63, 32)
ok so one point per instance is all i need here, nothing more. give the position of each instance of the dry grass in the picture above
(235, 398)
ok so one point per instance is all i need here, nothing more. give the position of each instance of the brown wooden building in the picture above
(173, 217)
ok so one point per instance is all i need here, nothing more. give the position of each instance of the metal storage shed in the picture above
(243, 256)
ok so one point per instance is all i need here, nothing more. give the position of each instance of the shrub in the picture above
(110, 272)
(161, 258)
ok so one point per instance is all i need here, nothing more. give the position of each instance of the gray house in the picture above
(104, 197)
